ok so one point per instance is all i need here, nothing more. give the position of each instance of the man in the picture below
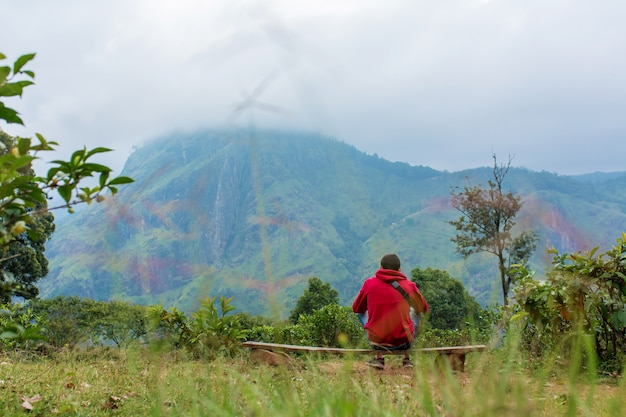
(388, 306)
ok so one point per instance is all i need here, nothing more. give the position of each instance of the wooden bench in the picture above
(455, 355)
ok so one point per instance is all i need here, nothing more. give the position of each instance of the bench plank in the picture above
(343, 351)
(453, 356)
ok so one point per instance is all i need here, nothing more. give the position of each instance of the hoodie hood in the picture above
(389, 275)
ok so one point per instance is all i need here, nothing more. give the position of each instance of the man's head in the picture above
(390, 261)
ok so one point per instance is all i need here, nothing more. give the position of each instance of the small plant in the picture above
(19, 327)
(169, 326)
(209, 332)
(214, 331)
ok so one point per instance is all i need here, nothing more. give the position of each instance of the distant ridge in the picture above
(254, 216)
(600, 177)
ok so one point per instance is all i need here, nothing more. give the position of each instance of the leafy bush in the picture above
(19, 327)
(68, 321)
(433, 337)
(582, 292)
(213, 331)
(247, 321)
(332, 325)
(169, 328)
(119, 322)
(317, 295)
(63, 320)
(451, 306)
(293, 334)
(207, 333)
(265, 333)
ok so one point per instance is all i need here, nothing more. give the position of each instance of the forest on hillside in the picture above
(254, 217)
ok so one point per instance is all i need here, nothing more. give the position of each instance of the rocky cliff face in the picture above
(254, 217)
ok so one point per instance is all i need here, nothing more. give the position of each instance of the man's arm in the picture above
(360, 304)
(418, 302)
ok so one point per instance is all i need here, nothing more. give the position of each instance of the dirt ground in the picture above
(552, 388)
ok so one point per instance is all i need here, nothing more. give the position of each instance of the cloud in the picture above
(443, 84)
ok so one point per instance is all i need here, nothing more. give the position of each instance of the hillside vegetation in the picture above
(256, 215)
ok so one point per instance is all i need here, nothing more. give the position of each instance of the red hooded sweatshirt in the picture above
(388, 312)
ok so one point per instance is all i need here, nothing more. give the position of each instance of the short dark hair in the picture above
(390, 261)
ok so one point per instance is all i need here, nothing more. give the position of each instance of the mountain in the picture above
(254, 215)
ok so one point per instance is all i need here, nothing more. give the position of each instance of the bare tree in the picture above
(487, 218)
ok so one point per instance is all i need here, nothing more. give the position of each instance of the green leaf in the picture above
(11, 331)
(8, 334)
(16, 162)
(619, 319)
(9, 115)
(52, 173)
(61, 163)
(4, 73)
(98, 150)
(103, 178)
(23, 145)
(33, 235)
(65, 191)
(77, 157)
(21, 61)
(32, 333)
(121, 180)
(11, 90)
(91, 167)
(43, 145)
(24, 83)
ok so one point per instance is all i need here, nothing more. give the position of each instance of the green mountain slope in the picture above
(255, 215)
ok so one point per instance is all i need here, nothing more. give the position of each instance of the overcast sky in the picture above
(441, 83)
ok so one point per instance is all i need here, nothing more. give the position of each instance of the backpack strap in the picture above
(397, 286)
(401, 290)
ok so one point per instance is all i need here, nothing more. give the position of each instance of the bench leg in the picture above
(456, 361)
(269, 357)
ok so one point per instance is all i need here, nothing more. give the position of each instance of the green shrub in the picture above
(69, 321)
(19, 327)
(214, 331)
(247, 321)
(317, 295)
(292, 334)
(207, 333)
(451, 306)
(265, 333)
(583, 292)
(332, 325)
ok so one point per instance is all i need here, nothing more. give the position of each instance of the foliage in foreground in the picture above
(583, 292)
(19, 327)
(584, 295)
(155, 383)
(25, 221)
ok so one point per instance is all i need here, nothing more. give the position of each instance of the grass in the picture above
(139, 382)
